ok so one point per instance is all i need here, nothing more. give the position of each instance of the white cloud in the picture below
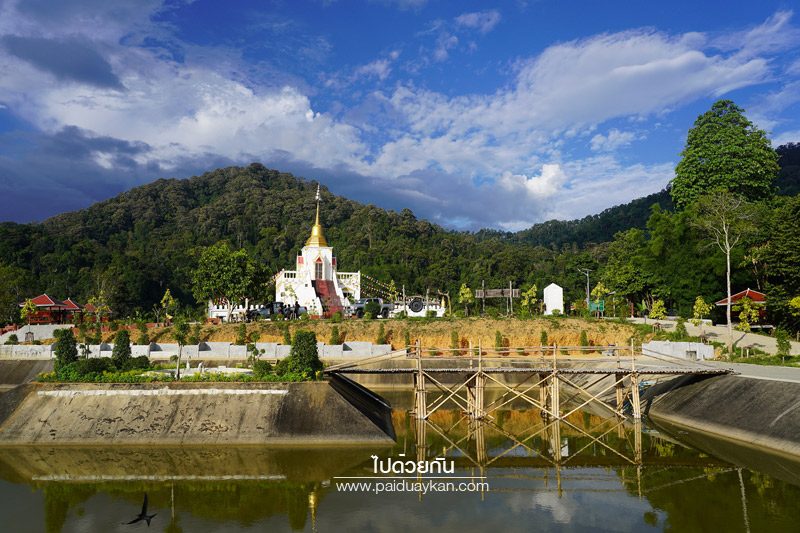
(502, 152)
(483, 21)
(773, 35)
(444, 44)
(546, 184)
(613, 140)
(786, 137)
(380, 68)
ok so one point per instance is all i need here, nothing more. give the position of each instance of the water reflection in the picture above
(585, 473)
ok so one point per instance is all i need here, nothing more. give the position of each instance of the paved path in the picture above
(762, 342)
(770, 373)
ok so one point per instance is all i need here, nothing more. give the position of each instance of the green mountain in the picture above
(146, 240)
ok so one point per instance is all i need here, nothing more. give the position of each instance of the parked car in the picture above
(360, 306)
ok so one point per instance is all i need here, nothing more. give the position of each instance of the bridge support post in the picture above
(637, 407)
(420, 396)
(620, 389)
(555, 398)
(543, 397)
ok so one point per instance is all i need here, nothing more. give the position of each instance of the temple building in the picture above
(315, 283)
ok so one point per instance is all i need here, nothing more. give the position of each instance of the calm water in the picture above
(588, 473)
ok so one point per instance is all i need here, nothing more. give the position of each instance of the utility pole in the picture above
(585, 272)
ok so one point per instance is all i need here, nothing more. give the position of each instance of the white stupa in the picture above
(315, 283)
(553, 299)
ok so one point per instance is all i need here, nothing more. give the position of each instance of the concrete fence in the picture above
(691, 351)
(205, 350)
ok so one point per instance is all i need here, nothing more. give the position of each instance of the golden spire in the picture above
(317, 237)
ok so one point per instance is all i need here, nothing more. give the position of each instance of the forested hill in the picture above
(594, 229)
(145, 240)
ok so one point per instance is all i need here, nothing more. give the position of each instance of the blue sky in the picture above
(472, 114)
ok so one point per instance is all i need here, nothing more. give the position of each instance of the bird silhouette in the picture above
(143, 515)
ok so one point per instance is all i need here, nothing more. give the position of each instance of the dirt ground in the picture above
(432, 332)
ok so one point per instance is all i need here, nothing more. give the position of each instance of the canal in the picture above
(516, 472)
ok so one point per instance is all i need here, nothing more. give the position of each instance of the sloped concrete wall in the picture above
(186, 413)
(756, 412)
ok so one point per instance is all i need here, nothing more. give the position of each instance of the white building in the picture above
(553, 299)
(315, 283)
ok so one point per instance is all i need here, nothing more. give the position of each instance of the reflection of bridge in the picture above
(539, 380)
(557, 387)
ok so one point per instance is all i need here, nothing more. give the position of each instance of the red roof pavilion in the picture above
(755, 296)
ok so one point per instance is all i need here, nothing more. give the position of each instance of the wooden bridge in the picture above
(541, 376)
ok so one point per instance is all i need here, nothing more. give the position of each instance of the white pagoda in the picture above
(315, 284)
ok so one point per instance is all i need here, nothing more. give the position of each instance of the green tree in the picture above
(303, 357)
(13, 281)
(782, 340)
(748, 314)
(180, 331)
(65, 348)
(121, 354)
(223, 276)
(724, 150)
(168, 305)
(727, 220)
(530, 299)
(543, 338)
(28, 310)
(700, 310)
(658, 311)
(465, 297)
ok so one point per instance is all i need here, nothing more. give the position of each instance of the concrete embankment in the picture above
(755, 412)
(183, 413)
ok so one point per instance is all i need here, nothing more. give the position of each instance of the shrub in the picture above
(241, 335)
(430, 313)
(194, 335)
(12, 339)
(303, 358)
(262, 369)
(367, 316)
(381, 338)
(122, 349)
(287, 335)
(784, 345)
(454, 340)
(584, 338)
(556, 312)
(543, 338)
(336, 318)
(282, 367)
(680, 329)
(407, 338)
(373, 309)
(139, 363)
(143, 338)
(66, 349)
(498, 340)
(335, 339)
(401, 314)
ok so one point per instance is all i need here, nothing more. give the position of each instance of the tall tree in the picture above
(727, 219)
(724, 150)
(223, 276)
(12, 282)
